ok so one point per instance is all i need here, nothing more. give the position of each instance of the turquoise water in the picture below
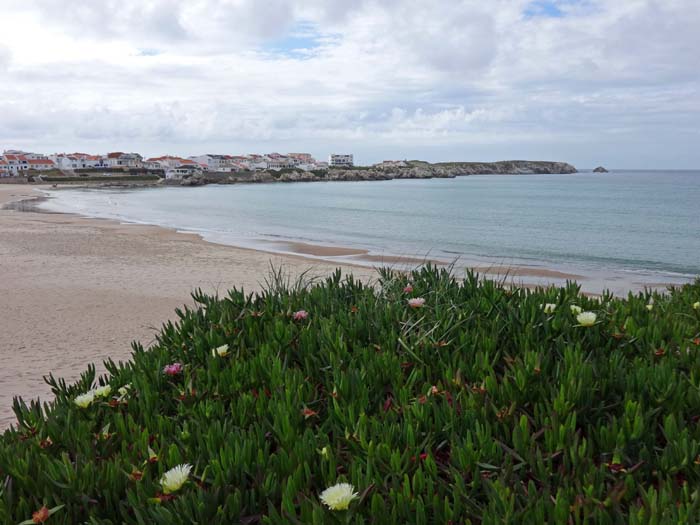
(623, 229)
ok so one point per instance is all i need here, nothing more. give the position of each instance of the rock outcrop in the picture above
(409, 170)
(600, 169)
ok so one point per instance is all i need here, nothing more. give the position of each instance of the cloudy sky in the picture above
(613, 82)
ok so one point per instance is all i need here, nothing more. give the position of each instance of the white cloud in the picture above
(385, 78)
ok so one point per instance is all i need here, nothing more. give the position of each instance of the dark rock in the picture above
(600, 169)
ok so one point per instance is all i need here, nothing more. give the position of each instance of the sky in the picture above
(591, 82)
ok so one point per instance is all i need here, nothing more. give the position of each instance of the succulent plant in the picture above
(477, 407)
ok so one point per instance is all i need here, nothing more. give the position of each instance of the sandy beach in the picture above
(76, 290)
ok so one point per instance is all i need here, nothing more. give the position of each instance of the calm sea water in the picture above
(620, 230)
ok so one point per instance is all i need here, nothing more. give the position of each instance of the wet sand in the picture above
(362, 257)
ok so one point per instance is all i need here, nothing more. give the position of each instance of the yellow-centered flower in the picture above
(338, 497)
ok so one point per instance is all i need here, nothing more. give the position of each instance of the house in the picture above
(4, 168)
(17, 162)
(211, 161)
(76, 161)
(240, 162)
(280, 162)
(256, 162)
(167, 162)
(65, 162)
(119, 159)
(335, 160)
(183, 171)
(41, 164)
(302, 158)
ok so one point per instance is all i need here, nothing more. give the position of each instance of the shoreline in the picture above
(78, 290)
(340, 255)
(593, 280)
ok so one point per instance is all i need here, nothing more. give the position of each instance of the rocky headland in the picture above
(385, 171)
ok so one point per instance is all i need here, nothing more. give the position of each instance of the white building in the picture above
(212, 162)
(17, 162)
(335, 160)
(302, 158)
(256, 162)
(184, 170)
(280, 162)
(41, 164)
(76, 161)
(167, 162)
(119, 159)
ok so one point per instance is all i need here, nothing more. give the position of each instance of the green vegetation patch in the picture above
(416, 400)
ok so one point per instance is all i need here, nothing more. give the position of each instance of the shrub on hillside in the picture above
(417, 400)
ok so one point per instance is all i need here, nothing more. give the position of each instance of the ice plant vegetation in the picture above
(575, 309)
(586, 318)
(338, 497)
(417, 302)
(480, 409)
(175, 478)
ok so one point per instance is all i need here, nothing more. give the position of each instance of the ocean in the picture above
(621, 231)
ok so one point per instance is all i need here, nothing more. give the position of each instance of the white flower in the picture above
(696, 306)
(123, 391)
(549, 308)
(575, 309)
(85, 400)
(338, 497)
(650, 306)
(103, 391)
(221, 351)
(586, 318)
(175, 478)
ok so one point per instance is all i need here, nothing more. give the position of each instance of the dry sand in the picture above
(75, 291)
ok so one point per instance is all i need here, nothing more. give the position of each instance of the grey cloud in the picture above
(440, 78)
(156, 19)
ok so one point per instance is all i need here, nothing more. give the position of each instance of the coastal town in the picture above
(15, 163)
(131, 168)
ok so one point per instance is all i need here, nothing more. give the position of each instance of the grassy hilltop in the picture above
(476, 405)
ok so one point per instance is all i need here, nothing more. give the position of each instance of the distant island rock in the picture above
(413, 169)
(600, 169)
